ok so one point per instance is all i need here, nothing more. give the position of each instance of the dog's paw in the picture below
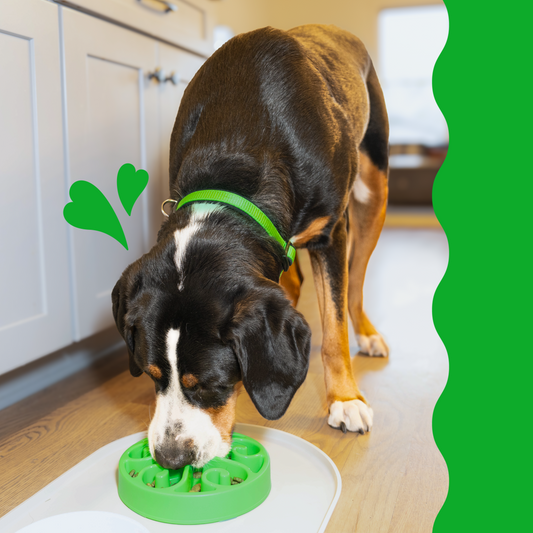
(353, 415)
(372, 345)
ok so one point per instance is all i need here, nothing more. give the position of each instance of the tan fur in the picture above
(291, 281)
(155, 371)
(340, 383)
(313, 230)
(366, 222)
(224, 417)
(189, 381)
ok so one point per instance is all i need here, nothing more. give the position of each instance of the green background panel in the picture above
(482, 308)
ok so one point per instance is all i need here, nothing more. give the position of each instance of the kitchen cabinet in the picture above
(123, 91)
(184, 66)
(34, 269)
(112, 120)
(79, 96)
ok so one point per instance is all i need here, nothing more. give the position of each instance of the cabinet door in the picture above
(184, 66)
(112, 120)
(34, 286)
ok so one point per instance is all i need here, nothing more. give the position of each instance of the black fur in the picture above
(275, 117)
(272, 342)
(259, 344)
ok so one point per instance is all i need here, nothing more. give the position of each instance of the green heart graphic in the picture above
(130, 185)
(91, 210)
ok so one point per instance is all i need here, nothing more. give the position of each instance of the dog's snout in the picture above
(174, 454)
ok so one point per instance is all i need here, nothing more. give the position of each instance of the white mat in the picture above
(306, 486)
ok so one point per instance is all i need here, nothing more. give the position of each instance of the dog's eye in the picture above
(157, 381)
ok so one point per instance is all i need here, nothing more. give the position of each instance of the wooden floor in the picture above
(411, 217)
(394, 479)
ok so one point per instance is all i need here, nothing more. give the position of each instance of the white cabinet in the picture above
(34, 277)
(76, 103)
(184, 65)
(116, 115)
(112, 120)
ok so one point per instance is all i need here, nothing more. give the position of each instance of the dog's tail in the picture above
(375, 143)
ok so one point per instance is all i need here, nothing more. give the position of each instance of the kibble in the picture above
(132, 473)
(237, 480)
(196, 488)
(153, 484)
(197, 475)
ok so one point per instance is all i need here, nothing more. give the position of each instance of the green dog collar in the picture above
(234, 200)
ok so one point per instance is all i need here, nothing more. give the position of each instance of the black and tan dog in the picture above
(295, 122)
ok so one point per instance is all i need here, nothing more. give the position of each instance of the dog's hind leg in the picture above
(366, 214)
(347, 406)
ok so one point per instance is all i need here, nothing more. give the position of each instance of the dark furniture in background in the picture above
(412, 172)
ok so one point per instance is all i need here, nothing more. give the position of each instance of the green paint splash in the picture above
(130, 185)
(482, 308)
(91, 210)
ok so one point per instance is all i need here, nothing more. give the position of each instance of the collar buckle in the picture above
(167, 201)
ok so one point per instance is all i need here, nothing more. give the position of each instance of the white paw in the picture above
(372, 345)
(355, 415)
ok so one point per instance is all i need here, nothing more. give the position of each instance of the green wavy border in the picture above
(483, 199)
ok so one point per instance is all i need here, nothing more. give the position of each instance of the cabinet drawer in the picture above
(188, 24)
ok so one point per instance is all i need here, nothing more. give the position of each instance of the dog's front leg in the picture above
(348, 409)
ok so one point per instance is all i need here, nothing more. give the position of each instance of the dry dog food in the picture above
(196, 488)
(236, 480)
(197, 475)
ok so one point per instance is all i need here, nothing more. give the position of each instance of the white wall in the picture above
(357, 16)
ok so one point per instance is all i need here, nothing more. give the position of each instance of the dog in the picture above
(294, 122)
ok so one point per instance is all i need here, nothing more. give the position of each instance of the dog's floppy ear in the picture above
(272, 342)
(119, 300)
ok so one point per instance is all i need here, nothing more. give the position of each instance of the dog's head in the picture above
(199, 329)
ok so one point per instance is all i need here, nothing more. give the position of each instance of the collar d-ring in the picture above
(167, 201)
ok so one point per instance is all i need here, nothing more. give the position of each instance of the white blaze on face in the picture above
(173, 408)
(183, 236)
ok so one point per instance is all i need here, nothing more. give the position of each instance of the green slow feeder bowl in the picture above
(170, 500)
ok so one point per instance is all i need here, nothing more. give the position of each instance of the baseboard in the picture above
(37, 375)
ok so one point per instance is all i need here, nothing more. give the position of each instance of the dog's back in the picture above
(276, 117)
(342, 62)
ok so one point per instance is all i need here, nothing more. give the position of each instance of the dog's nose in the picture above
(174, 454)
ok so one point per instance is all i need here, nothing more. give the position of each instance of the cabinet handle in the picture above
(173, 77)
(158, 75)
(168, 5)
